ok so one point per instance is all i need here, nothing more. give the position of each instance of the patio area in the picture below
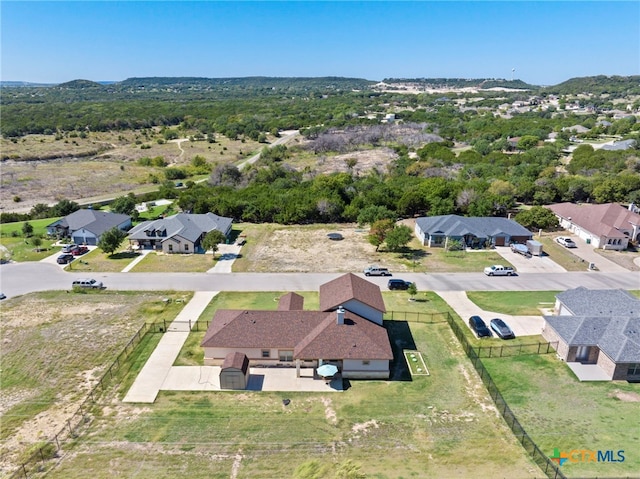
(588, 372)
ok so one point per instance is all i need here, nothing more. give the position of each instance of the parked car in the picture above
(80, 250)
(86, 283)
(65, 258)
(398, 284)
(501, 329)
(479, 327)
(3, 296)
(499, 270)
(566, 242)
(376, 271)
(69, 248)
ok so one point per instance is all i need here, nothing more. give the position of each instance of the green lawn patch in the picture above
(98, 261)
(558, 411)
(174, 263)
(517, 303)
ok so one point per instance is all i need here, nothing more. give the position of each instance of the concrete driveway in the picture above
(521, 325)
(533, 264)
(587, 253)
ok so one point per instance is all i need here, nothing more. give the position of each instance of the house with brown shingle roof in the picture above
(606, 226)
(347, 332)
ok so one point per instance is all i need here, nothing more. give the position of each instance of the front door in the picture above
(582, 354)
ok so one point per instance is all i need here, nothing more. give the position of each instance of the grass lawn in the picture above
(558, 411)
(19, 248)
(98, 261)
(559, 253)
(518, 303)
(174, 263)
(388, 429)
(55, 348)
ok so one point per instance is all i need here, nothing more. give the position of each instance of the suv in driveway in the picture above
(65, 258)
(479, 327)
(566, 242)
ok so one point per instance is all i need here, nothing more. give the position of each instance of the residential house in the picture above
(599, 327)
(180, 233)
(606, 226)
(472, 232)
(621, 145)
(86, 226)
(346, 332)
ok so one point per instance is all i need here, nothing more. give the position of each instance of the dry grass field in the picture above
(41, 169)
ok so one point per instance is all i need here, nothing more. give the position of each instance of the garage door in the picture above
(500, 240)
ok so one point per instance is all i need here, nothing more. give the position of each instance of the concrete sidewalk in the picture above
(140, 257)
(521, 325)
(150, 379)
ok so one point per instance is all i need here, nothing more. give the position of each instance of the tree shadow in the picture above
(400, 338)
(124, 255)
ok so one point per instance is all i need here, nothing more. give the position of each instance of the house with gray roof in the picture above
(621, 145)
(180, 233)
(349, 336)
(86, 226)
(472, 232)
(606, 226)
(597, 327)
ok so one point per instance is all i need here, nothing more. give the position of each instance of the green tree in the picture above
(538, 217)
(212, 239)
(412, 290)
(111, 240)
(37, 242)
(527, 142)
(398, 237)
(378, 232)
(373, 213)
(27, 229)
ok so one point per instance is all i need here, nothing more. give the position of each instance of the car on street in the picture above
(87, 283)
(501, 329)
(499, 270)
(376, 271)
(479, 327)
(398, 284)
(65, 258)
(80, 250)
(566, 242)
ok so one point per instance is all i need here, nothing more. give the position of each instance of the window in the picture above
(286, 356)
(170, 247)
(186, 247)
(266, 353)
(365, 363)
(634, 369)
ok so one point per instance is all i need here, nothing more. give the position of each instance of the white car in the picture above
(566, 242)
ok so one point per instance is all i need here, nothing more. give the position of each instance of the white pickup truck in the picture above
(499, 270)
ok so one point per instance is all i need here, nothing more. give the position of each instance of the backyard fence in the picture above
(543, 461)
(416, 317)
(515, 350)
(37, 462)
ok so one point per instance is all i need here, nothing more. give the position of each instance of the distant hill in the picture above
(79, 84)
(629, 85)
(479, 83)
(16, 84)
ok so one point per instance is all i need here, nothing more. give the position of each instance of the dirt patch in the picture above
(329, 412)
(363, 427)
(476, 392)
(626, 259)
(626, 396)
(308, 249)
(365, 161)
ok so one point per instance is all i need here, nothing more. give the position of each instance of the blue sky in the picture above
(546, 42)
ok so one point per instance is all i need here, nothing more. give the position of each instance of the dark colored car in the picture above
(80, 250)
(501, 329)
(398, 284)
(479, 327)
(65, 258)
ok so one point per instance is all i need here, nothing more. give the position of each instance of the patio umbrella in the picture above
(327, 370)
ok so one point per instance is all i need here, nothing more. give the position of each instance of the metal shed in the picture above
(234, 373)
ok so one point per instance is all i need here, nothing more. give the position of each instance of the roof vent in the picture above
(340, 315)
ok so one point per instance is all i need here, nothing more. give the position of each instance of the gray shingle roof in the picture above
(618, 337)
(187, 226)
(94, 221)
(482, 227)
(600, 302)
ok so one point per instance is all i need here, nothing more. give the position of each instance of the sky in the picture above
(546, 42)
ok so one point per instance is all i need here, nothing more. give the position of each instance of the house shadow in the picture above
(400, 338)
(255, 382)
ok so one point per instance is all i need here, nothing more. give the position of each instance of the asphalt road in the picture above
(21, 278)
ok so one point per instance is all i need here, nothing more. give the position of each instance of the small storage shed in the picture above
(234, 373)
(534, 247)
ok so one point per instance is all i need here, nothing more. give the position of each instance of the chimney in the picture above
(340, 315)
